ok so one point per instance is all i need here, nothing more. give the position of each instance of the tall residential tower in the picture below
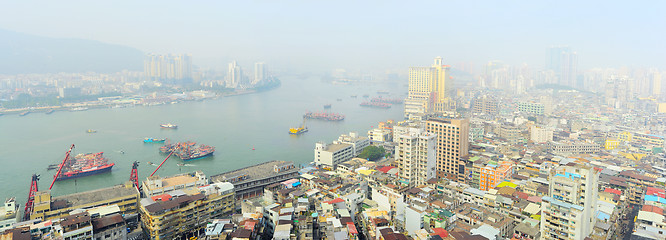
(569, 210)
(415, 154)
(564, 63)
(168, 68)
(452, 145)
(429, 89)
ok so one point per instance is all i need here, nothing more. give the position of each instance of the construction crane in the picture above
(31, 198)
(61, 165)
(158, 167)
(134, 176)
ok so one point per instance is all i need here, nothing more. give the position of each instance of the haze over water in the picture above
(233, 125)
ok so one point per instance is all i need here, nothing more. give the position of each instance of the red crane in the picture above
(31, 197)
(158, 167)
(134, 177)
(61, 165)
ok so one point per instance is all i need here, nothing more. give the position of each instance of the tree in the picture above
(372, 153)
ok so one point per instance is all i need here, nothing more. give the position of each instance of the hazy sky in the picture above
(359, 34)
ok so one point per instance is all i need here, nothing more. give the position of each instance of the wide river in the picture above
(245, 130)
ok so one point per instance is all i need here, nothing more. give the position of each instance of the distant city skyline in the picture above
(371, 35)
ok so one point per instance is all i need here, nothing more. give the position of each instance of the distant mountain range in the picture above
(24, 53)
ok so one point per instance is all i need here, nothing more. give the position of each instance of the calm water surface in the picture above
(233, 125)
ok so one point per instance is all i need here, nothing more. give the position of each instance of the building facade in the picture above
(126, 197)
(416, 156)
(330, 155)
(574, 147)
(156, 185)
(357, 142)
(531, 108)
(540, 134)
(172, 67)
(494, 173)
(569, 210)
(429, 89)
(250, 181)
(452, 144)
(170, 216)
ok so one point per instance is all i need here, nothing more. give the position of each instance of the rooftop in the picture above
(110, 220)
(336, 147)
(98, 195)
(75, 219)
(262, 170)
(175, 202)
(177, 180)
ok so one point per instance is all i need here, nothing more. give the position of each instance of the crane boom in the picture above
(158, 167)
(31, 197)
(61, 165)
(134, 176)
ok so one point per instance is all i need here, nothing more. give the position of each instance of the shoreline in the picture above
(83, 106)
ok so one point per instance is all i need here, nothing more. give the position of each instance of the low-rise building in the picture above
(109, 227)
(8, 213)
(531, 108)
(574, 147)
(156, 185)
(125, 196)
(250, 181)
(357, 142)
(330, 155)
(77, 226)
(540, 134)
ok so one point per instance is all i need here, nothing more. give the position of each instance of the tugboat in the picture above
(91, 131)
(153, 140)
(169, 125)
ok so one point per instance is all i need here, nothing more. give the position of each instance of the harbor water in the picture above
(244, 129)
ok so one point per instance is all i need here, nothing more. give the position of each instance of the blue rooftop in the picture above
(652, 135)
(654, 199)
(568, 175)
(562, 204)
(602, 216)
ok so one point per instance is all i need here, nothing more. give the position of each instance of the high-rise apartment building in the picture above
(568, 212)
(486, 105)
(416, 155)
(564, 63)
(234, 75)
(429, 89)
(259, 72)
(168, 68)
(656, 83)
(452, 145)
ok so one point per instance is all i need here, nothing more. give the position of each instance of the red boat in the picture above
(84, 165)
(188, 151)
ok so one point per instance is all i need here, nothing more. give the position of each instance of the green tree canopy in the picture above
(372, 153)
